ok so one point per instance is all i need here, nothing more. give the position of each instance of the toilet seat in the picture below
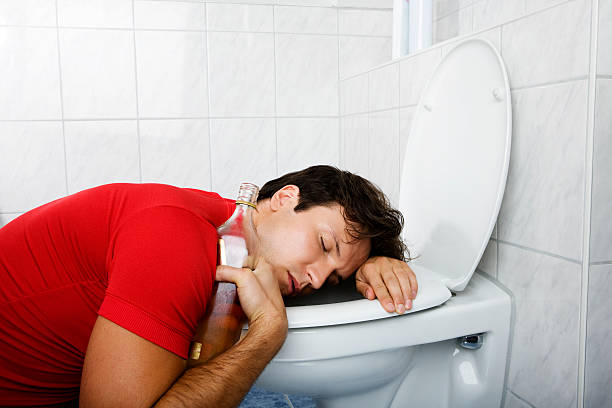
(432, 292)
(463, 120)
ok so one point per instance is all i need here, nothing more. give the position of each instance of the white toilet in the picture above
(450, 350)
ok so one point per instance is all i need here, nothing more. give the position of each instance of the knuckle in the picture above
(380, 286)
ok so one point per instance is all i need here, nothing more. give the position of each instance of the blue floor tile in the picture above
(302, 401)
(258, 398)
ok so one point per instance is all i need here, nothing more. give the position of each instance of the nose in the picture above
(318, 273)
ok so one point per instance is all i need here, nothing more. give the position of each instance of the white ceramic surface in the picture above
(456, 162)
(408, 360)
(431, 293)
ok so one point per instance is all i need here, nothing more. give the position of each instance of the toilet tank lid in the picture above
(456, 162)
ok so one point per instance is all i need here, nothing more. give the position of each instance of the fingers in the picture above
(374, 280)
(253, 296)
(366, 290)
(390, 280)
(234, 275)
(270, 285)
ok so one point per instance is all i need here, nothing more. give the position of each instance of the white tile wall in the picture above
(534, 5)
(27, 12)
(456, 24)
(365, 22)
(598, 378)
(488, 262)
(354, 95)
(373, 4)
(101, 152)
(168, 15)
(443, 8)
(358, 54)
(95, 13)
(384, 87)
(405, 123)
(30, 74)
(604, 51)
(554, 41)
(512, 401)
(303, 142)
(601, 208)
(307, 20)
(6, 218)
(488, 13)
(493, 36)
(239, 17)
(383, 162)
(306, 65)
(543, 202)
(241, 150)
(97, 73)
(242, 65)
(544, 358)
(176, 151)
(354, 136)
(172, 75)
(29, 150)
(414, 74)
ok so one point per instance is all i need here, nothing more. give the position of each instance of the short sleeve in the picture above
(160, 275)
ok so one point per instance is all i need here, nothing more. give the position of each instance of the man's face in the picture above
(306, 248)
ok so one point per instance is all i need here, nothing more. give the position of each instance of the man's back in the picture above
(143, 256)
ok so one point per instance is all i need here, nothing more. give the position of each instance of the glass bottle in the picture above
(223, 321)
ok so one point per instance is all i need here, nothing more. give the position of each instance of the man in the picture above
(104, 289)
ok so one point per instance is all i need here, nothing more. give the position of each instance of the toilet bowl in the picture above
(450, 349)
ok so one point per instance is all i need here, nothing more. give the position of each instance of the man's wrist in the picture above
(267, 335)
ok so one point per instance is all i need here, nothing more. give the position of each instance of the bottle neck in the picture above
(241, 225)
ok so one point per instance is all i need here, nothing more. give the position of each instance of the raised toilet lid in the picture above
(453, 179)
(456, 163)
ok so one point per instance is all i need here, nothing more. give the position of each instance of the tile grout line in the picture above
(169, 118)
(61, 90)
(550, 83)
(523, 400)
(207, 50)
(586, 219)
(565, 81)
(187, 30)
(275, 88)
(136, 93)
(339, 113)
(538, 251)
(601, 263)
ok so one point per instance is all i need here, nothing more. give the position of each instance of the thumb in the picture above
(365, 289)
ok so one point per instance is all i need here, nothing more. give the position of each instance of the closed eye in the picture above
(323, 245)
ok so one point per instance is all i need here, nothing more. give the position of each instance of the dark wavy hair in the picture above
(366, 209)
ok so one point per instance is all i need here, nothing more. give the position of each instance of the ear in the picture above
(287, 196)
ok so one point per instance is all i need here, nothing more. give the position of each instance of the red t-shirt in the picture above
(140, 255)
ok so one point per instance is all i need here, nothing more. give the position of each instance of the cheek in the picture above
(287, 245)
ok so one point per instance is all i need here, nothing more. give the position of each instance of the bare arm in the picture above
(123, 369)
(225, 380)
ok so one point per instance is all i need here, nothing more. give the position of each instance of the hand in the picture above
(260, 298)
(390, 280)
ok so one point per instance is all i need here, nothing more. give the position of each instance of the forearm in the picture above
(224, 380)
